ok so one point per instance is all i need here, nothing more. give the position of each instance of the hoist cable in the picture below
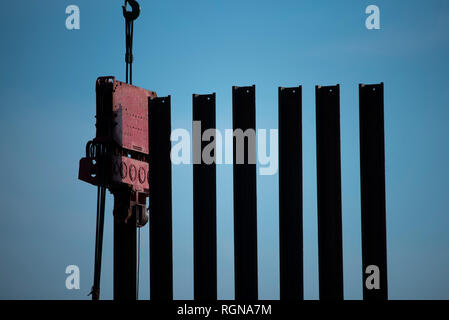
(127, 61)
(130, 52)
(129, 33)
(95, 288)
(138, 264)
(101, 200)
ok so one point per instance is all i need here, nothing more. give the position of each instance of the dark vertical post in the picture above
(330, 251)
(161, 256)
(124, 247)
(372, 174)
(290, 194)
(204, 199)
(245, 195)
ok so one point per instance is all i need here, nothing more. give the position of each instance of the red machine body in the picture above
(118, 156)
(130, 107)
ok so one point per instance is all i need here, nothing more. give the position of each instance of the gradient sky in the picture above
(48, 73)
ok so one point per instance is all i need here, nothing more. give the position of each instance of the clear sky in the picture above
(48, 73)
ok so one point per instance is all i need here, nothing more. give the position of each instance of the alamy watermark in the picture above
(73, 279)
(372, 22)
(373, 279)
(72, 22)
(250, 147)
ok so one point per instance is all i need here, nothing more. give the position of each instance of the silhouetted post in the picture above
(330, 252)
(372, 174)
(161, 252)
(290, 194)
(245, 196)
(204, 199)
(125, 254)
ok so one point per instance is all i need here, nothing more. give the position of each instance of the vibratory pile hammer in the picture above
(117, 159)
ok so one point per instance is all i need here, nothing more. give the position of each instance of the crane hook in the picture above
(134, 14)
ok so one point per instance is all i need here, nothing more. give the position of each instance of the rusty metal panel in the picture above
(119, 152)
(130, 114)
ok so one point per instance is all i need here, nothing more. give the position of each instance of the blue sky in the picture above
(47, 216)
